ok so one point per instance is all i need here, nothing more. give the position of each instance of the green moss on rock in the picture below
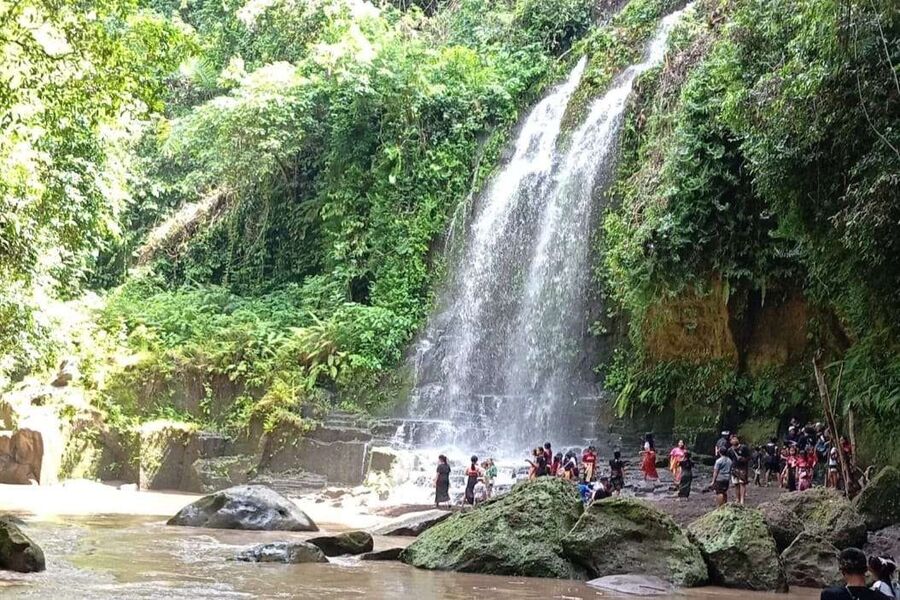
(738, 548)
(822, 512)
(519, 533)
(879, 502)
(623, 535)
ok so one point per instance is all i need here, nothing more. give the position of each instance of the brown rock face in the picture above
(21, 457)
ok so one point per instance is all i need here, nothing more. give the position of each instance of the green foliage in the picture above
(764, 154)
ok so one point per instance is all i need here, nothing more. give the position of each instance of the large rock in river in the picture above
(244, 507)
(879, 502)
(622, 535)
(412, 524)
(739, 549)
(17, 551)
(518, 533)
(822, 512)
(284, 552)
(352, 542)
(811, 562)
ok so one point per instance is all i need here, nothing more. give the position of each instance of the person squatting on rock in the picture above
(852, 564)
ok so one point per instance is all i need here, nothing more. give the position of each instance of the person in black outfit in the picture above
(472, 475)
(852, 563)
(687, 476)
(616, 473)
(442, 481)
(772, 460)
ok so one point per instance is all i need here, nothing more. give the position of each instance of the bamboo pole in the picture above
(832, 425)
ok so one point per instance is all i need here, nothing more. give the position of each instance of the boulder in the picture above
(822, 512)
(244, 507)
(352, 542)
(879, 502)
(811, 562)
(518, 533)
(622, 535)
(884, 542)
(283, 552)
(412, 524)
(738, 548)
(387, 554)
(634, 585)
(17, 551)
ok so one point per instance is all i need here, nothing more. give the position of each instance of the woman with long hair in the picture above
(442, 482)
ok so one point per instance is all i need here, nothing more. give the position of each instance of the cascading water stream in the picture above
(503, 358)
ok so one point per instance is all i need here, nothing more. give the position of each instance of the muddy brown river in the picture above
(125, 557)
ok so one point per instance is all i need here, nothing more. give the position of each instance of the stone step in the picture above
(293, 483)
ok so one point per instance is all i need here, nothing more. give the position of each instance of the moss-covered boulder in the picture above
(351, 542)
(738, 548)
(811, 562)
(822, 512)
(17, 551)
(622, 535)
(518, 533)
(879, 502)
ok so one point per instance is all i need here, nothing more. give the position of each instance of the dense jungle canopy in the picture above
(256, 195)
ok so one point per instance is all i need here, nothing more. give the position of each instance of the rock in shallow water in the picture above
(824, 513)
(284, 552)
(387, 554)
(739, 549)
(17, 551)
(621, 536)
(412, 524)
(518, 533)
(811, 562)
(244, 507)
(634, 585)
(352, 542)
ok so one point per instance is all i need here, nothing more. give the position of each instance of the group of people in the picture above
(853, 565)
(681, 464)
(479, 481)
(592, 484)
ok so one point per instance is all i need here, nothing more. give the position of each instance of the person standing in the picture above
(616, 473)
(687, 476)
(721, 478)
(852, 564)
(740, 468)
(789, 475)
(472, 476)
(589, 463)
(676, 455)
(773, 460)
(722, 443)
(442, 482)
(490, 474)
(648, 462)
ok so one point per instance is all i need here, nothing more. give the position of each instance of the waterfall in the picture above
(503, 358)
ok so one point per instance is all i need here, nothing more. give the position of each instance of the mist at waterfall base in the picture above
(502, 366)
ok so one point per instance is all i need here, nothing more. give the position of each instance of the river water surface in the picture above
(124, 557)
